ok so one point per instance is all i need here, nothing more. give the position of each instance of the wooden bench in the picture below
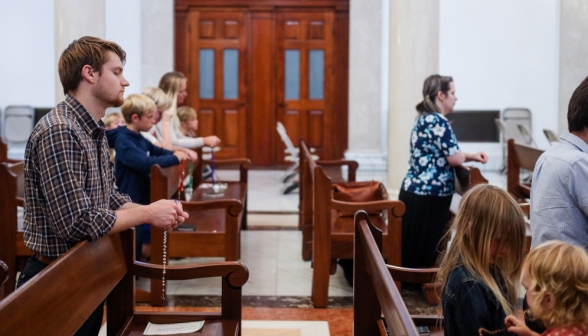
(216, 221)
(375, 293)
(61, 297)
(4, 153)
(305, 195)
(332, 237)
(520, 157)
(3, 277)
(12, 248)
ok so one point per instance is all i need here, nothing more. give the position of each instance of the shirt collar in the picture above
(86, 120)
(575, 140)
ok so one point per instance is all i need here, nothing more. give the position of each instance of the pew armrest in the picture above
(237, 273)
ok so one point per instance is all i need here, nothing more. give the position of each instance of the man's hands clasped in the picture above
(167, 214)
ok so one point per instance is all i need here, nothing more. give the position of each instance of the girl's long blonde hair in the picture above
(561, 270)
(170, 84)
(488, 214)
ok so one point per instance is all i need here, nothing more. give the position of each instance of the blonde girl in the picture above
(174, 84)
(480, 271)
(555, 275)
(160, 136)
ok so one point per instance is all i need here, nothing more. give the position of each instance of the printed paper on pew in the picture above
(173, 328)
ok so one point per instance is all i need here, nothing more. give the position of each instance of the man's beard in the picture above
(103, 95)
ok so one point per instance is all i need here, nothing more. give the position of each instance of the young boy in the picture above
(189, 125)
(135, 155)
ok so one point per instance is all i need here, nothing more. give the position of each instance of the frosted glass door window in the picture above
(292, 74)
(231, 74)
(316, 74)
(206, 73)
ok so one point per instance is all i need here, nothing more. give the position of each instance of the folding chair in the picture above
(526, 133)
(551, 137)
(17, 124)
(290, 179)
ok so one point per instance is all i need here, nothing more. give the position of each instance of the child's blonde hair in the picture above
(560, 269)
(111, 119)
(185, 112)
(138, 104)
(162, 100)
(488, 213)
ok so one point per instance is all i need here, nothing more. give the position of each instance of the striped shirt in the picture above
(70, 190)
(559, 193)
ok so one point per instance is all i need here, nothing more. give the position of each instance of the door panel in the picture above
(304, 78)
(217, 90)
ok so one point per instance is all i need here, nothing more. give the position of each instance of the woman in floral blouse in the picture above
(429, 184)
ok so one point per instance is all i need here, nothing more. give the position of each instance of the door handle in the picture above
(282, 104)
(240, 105)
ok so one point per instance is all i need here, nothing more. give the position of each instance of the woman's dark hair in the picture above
(433, 84)
(578, 108)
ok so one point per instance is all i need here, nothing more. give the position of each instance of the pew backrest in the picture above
(374, 291)
(520, 157)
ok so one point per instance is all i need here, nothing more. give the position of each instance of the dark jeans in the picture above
(92, 324)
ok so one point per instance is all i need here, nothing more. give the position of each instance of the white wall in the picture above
(503, 53)
(27, 62)
(123, 26)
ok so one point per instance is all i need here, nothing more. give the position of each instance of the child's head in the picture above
(138, 111)
(188, 118)
(162, 101)
(489, 230)
(556, 277)
(113, 120)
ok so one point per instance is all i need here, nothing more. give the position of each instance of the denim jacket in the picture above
(468, 304)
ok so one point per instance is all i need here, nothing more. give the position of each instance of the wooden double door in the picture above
(249, 67)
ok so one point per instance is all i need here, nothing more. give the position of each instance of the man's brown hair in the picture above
(87, 50)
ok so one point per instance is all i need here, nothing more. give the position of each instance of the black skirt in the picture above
(423, 225)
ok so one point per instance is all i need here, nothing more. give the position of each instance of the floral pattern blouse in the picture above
(432, 141)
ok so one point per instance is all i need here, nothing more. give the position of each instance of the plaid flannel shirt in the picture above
(70, 190)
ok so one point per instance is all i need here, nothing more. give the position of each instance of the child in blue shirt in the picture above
(135, 155)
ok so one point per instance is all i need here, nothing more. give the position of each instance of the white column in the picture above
(573, 53)
(157, 40)
(368, 24)
(74, 19)
(414, 55)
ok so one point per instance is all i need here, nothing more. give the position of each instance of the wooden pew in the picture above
(3, 277)
(520, 157)
(305, 195)
(4, 153)
(332, 237)
(216, 221)
(62, 296)
(374, 291)
(12, 248)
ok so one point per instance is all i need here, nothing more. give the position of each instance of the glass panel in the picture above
(231, 73)
(292, 74)
(206, 73)
(316, 74)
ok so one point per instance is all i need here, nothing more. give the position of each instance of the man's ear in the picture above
(88, 74)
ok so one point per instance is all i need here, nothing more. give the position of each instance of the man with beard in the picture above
(69, 184)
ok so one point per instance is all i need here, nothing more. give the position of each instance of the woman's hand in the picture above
(514, 325)
(480, 157)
